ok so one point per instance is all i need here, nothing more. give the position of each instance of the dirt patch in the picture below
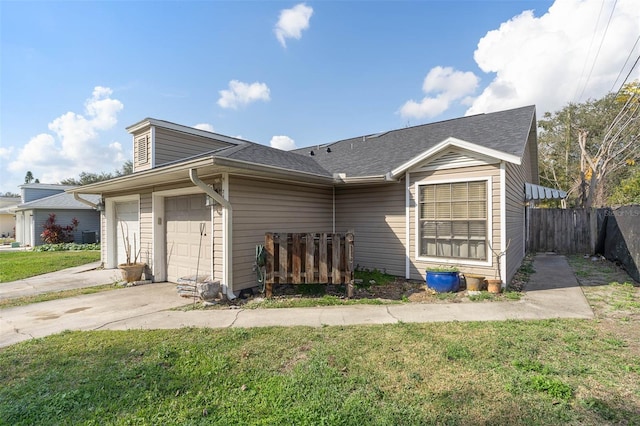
(614, 297)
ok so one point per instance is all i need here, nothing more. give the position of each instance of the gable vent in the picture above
(143, 150)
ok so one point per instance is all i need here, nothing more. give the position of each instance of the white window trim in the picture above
(452, 260)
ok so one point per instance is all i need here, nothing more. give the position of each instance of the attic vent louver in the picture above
(143, 149)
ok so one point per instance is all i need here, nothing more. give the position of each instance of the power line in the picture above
(595, 59)
(630, 71)
(586, 59)
(625, 64)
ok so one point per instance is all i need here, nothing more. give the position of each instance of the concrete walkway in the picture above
(553, 292)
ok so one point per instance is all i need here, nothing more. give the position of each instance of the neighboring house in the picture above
(8, 216)
(40, 200)
(435, 194)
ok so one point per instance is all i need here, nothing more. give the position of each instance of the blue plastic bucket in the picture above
(443, 282)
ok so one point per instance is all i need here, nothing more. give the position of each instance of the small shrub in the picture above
(56, 234)
(67, 247)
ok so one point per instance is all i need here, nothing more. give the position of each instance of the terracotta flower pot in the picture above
(474, 282)
(494, 286)
(133, 272)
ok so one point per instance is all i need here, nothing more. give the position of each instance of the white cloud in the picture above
(292, 22)
(204, 126)
(5, 153)
(240, 94)
(546, 60)
(77, 147)
(284, 143)
(447, 86)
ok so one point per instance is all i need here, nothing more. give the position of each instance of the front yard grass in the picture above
(17, 265)
(556, 371)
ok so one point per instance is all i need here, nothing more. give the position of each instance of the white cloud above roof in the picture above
(442, 86)
(75, 150)
(204, 126)
(292, 22)
(284, 143)
(551, 60)
(241, 94)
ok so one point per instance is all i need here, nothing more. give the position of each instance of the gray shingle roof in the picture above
(261, 154)
(62, 201)
(375, 155)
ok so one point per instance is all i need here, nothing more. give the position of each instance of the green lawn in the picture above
(16, 265)
(512, 372)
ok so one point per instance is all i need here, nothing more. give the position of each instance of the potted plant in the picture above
(443, 279)
(131, 270)
(475, 282)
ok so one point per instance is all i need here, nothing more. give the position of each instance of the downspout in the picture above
(193, 175)
(83, 201)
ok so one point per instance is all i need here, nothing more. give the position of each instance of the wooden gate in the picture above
(320, 258)
(566, 231)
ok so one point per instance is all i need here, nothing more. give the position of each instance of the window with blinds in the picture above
(453, 220)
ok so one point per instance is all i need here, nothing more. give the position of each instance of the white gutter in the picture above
(228, 246)
(83, 201)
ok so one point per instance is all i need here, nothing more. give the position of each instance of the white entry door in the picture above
(127, 225)
(188, 236)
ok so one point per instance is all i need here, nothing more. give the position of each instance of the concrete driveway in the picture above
(553, 292)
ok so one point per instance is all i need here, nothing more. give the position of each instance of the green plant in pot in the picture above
(443, 279)
(131, 270)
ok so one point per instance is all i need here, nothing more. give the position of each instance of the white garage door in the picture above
(186, 216)
(127, 224)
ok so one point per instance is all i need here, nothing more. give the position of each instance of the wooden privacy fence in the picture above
(321, 258)
(566, 231)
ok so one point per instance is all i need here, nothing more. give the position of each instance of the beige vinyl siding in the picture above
(261, 206)
(417, 267)
(146, 228)
(516, 176)
(137, 140)
(171, 145)
(376, 214)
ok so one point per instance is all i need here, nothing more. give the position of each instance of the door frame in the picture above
(111, 236)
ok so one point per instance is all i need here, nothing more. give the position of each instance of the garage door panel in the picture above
(184, 217)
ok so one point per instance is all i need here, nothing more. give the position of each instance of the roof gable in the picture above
(501, 135)
(449, 146)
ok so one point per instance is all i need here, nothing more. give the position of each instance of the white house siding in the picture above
(376, 214)
(171, 145)
(261, 206)
(417, 267)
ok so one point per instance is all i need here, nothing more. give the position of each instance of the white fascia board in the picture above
(449, 142)
(181, 128)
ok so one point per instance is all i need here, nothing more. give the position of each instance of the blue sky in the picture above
(74, 74)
